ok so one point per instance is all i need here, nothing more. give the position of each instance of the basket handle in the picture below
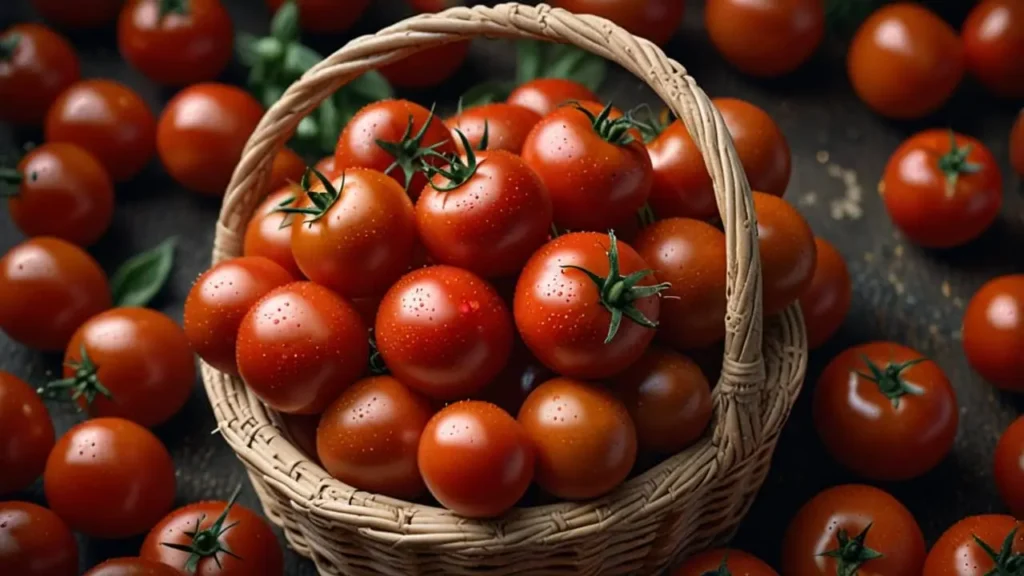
(740, 392)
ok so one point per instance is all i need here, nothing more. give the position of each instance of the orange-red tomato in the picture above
(36, 542)
(1008, 467)
(326, 16)
(904, 61)
(109, 120)
(269, 232)
(993, 332)
(48, 288)
(132, 567)
(288, 168)
(506, 126)
(427, 68)
(544, 95)
(993, 36)
(760, 144)
(959, 551)
(736, 563)
(64, 192)
(1017, 144)
(327, 167)
(788, 252)
(80, 13)
(36, 65)
(765, 39)
(656, 20)
(187, 43)
(476, 459)
(26, 435)
(827, 300)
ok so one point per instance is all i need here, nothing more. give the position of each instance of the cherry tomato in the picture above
(993, 332)
(109, 478)
(656, 20)
(202, 133)
(444, 332)
(544, 95)
(219, 300)
(904, 61)
(993, 37)
(361, 239)
(327, 166)
(326, 16)
(407, 131)
(132, 567)
(269, 232)
(827, 300)
(288, 168)
(176, 43)
(681, 186)
(427, 68)
(1009, 467)
(368, 437)
(689, 255)
(48, 288)
(222, 539)
(885, 411)
(78, 14)
(35, 542)
(65, 192)
(760, 144)
(36, 65)
(300, 346)
(788, 252)
(506, 126)
(765, 39)
(724, 562)
(853, 529)
(476, 459)
(489, 214)
(959, 551)
(1017, 145)
(521, 374)
(26, 435)
(942, 189)
(107, 119)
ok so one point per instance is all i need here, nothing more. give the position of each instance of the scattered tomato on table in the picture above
(993, 36)
(1009, 467)
(36, 66)
(35, 542)
(765, 39)
(655, 20)
(993, 332)
(826, 302)
(26, 435)
(977, 546)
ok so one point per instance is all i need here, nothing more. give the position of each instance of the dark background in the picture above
(901, 292)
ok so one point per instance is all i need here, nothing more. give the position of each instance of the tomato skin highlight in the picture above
(427, 68)
(36, 542)
(26, 435)
(738, 563)
(42, 66)
(681, 186)
(656, 20)
(993, 37)
(788, 252)
(78, 14)
(545, 95)
(132, 567)
(507, 126)
(957, 553)
(760, 144)
(326, 16)
(993, 332)
(269, 232)
(765, 39)
(1008, 467)
(827, 300)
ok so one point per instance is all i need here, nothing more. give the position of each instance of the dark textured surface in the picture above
(901, 292)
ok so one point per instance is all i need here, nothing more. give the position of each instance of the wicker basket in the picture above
(686, 503)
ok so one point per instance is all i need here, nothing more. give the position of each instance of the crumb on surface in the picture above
(822, 156)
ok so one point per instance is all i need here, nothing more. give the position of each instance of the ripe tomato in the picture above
(993, 332)
(97, 473)
(942, 189)
(668, 398)
(269, 232)
(827, 300)
(724, 562)
(26, 435)
(444, 332)
(487, 216)
(132, 567)
(521, 374)
(36, 65)
(1009, 467)
(357, 238)
(689, 255)
(326, 16)
(288, 168)
(506, 127)
(904, 61)
(476, 459)
(885, 411)
(176, 43)
(681, 186)
(1017, 144)
(765, 39)
(219, 300)
(35, 542)
(959, 551)
(299, 346)
(393, 137)
(215, 538)
(202, 133)
(78, 14)
(107, 119)
(544, 95)
(585, 440)
(656, 20)
(787, 252)
(65, 192)
(760, 144)
(853, 529)
(48, 288)
(427, 68)
(327, 166)
(993, 36)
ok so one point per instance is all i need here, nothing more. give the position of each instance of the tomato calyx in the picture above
(614, 131)
(890, 379)
(722, 570)
(206, 543)
(322, 201)
(955, 163)
(458, 171)
(85, 383)
(1007, 562)
(8, 46)
(409, 150)
(617, 293)
(851, 553)
(168, 7)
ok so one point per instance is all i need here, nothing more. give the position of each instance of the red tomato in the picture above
(219, 539)
(35, 542)
(724, 562)
(1017, 144)
(48, 288)
(65, 192)
(427, 68)
(327, 166)
(326, 16)
(689, 255)
(885, 411)
(202, 133)
(544, 95)
(36, 65)
(26, 435)
(506, 127)
(444, 332)
(361, 239)
(78, 14)
(760, 144)
(132, 567)
(959, 551)
(904, 61)
(487, 216)
(993, 332)
(97, 473)
(765, 39)
(368, 437)
(176, 43)
(1009, 467)
(788, 252)
(942, 189)
(288, 168)
(681, 186)
(656, 20)
(406, 130)
(827, 300)
(585, 440)
(269, 232)
(476, 459)
(993, 36)
(521, 374)
(107, 119)
(300, 346)
(853, 529)
(573, 319)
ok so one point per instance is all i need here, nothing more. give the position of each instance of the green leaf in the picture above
(371, 86)
(571, 63)
(330, 125)
(308, 129)
(269, 49)
(139, 279)
(486, 93)
(529, 58)
(270, 94)
(298, 59)
(245, 45)
(285, 25)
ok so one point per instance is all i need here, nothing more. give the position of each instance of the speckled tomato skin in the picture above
(956, 552)
(507, 126)
(266, 236)
(300, 346)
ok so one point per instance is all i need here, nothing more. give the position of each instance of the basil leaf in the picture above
(571, 63)
(269, 94)
(371, 86)
(285, 25)
(139, 279)
(529, 55)
(485, 93)
(563, 63)
(298, 59)
(245, 45)
(591, 71)
(330, 125)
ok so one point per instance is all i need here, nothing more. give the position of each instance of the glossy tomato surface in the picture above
(765, 39)
(827, 300)
(326, 16)
(36, 65)
(656, 20)
(681, 186)
(132, 567)
(736, 563)
(26, 435)
(427, 68)
(288, 168)
(788, 252)
(35, 542)
(269, 232)
(993, 332)
(78, 14)
(993, 37)
(506, 126)
(958, 552)
(544, 95)
(1009, 467)
(760, 144)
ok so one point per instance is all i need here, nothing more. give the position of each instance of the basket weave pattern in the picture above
(688, 502)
